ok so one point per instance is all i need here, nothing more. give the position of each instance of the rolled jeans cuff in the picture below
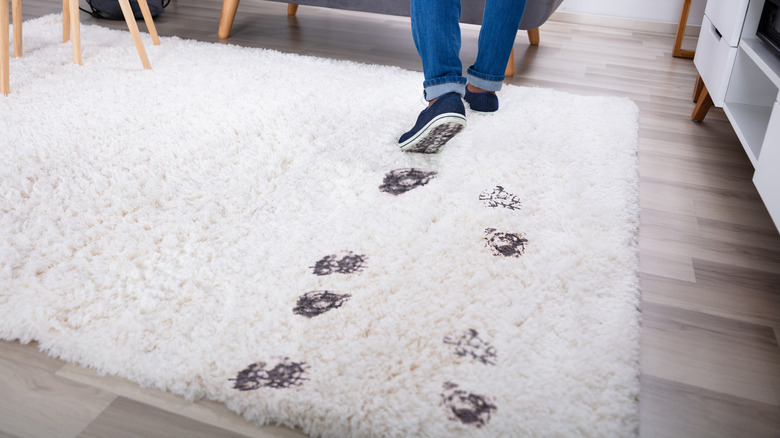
(483, 81)
(436, 88)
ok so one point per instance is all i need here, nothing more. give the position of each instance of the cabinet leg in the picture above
(697, 88)
(703, 105)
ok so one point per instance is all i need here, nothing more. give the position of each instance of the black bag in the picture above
(110, 10)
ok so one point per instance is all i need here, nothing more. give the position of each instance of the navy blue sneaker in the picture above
(483, 102)
(435, 126)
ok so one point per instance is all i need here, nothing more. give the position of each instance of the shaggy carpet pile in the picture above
(233, 225)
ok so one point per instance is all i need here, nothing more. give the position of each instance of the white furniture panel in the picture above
(767, 177)
(750, 96)
(745, 81)
(714, 59)
(727, 16)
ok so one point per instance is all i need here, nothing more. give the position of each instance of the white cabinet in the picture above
(742, 74)
(767, 177)
(714, 60)
(716, 49)
(752, 93)
(727, 16)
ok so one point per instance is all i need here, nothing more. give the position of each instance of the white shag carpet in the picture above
(238, 224)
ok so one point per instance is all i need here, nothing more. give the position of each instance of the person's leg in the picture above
(436, 32)
(500, 21)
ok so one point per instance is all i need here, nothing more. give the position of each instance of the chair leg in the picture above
(510, 66)
(16, 7)
(75, 30)
(678, 52)
(5, 51)
(127, 11)
(292, 9)
(65, 21)
(229, 8)
(533, 36)
(703, 105)
(149, 22)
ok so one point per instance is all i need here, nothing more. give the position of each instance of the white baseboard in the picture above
(662, 27)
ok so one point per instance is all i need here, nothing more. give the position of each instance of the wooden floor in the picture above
(709, 253)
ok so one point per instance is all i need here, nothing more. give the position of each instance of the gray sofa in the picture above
(535, 14)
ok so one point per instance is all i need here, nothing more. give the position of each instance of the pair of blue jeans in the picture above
(436, 32)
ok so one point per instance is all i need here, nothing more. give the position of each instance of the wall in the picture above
(653, 10)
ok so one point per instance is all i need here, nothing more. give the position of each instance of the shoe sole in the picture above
(435, 134)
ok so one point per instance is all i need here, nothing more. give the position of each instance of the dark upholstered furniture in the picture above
(535, 14)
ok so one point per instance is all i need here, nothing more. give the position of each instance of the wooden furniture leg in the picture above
(127, 11)
(704, 103)
(678, 52)
(510, 66)
(75, 30)
(16, 7)
(533, 36)
(149, 22)
(697, 88)
(5, 51)
(229, 8)
(533, 39)
(292, 9)
(65, 21)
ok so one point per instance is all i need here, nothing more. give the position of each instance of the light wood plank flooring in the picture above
(709, 253)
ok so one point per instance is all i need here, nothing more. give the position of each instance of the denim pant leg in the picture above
(496, 37)
(436, 32)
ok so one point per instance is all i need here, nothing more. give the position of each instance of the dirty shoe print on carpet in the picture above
(212, 230)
